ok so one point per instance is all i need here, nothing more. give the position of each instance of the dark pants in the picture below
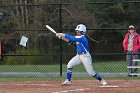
(129, 58)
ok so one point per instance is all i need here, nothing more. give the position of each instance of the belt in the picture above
(79, 53)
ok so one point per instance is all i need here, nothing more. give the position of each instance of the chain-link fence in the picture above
(106, 22)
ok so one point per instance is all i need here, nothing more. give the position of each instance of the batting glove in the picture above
(59, 35)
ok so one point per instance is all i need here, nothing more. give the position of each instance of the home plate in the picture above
(109, 86)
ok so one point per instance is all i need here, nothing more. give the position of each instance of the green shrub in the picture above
(30, 57)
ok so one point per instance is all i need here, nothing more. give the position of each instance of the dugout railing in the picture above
(133, 67)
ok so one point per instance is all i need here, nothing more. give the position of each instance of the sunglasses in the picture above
(131, 29)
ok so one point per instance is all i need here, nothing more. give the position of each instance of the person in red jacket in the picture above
(131, 45)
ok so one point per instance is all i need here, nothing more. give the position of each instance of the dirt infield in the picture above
(78, 86)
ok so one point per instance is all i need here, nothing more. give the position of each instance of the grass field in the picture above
(30, 78)
(113, 66)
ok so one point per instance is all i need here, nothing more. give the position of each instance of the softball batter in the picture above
(82, 56)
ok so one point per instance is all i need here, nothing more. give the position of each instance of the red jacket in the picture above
(136, 42)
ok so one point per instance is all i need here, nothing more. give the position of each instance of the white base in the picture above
(110, 86)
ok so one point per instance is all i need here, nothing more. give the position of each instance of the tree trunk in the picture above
(22, 15)
(26, 15)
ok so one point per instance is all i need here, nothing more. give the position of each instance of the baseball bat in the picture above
(51, 29)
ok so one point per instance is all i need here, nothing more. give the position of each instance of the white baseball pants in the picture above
(85, 59)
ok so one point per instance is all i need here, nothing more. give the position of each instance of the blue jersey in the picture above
(81, 42)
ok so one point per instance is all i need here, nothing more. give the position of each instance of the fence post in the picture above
(0, 49)
(60, 30)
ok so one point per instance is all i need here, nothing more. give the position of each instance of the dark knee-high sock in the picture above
(97, 76)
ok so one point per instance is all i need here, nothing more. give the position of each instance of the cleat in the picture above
(66, 83)
(103, 82)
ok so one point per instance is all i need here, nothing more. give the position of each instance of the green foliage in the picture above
(31, 57)
(108, 66)
(98, 14)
